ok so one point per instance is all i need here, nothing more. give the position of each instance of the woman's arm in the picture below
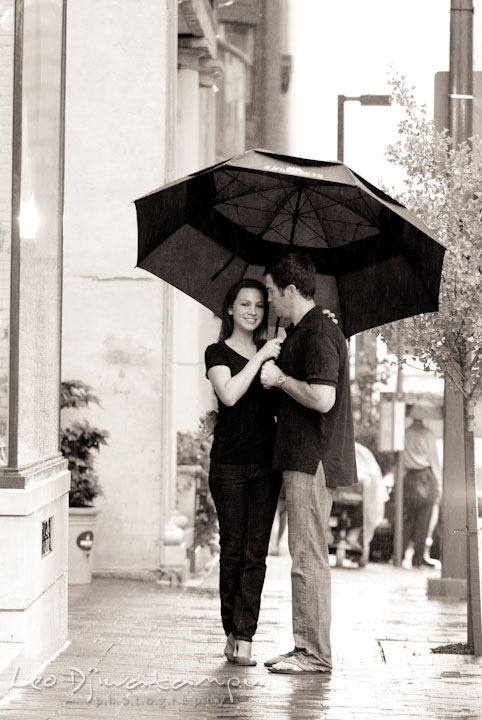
(229, 388)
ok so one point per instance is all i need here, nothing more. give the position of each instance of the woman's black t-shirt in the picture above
(245, 432)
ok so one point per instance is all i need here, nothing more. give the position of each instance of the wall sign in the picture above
(85, 540)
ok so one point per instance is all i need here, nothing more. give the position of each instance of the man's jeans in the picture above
(245, 497)
(308, 502)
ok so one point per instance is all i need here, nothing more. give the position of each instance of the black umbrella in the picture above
(376, 261)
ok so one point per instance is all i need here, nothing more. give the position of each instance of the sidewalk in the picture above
(162, 648)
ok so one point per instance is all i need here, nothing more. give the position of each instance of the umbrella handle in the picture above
(276, 328)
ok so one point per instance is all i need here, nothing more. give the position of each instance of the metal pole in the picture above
(461, 71)
(460, 117)
(399, 472)
(341, 128)
(453, 510)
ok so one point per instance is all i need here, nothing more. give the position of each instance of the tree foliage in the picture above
(443, 186)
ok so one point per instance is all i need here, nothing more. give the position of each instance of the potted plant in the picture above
(193, 450)
(78, 441)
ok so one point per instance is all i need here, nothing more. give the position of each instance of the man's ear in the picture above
(292, 291)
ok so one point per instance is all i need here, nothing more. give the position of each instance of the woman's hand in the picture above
(270, 349)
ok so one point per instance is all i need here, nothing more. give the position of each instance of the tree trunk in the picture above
(474, 610)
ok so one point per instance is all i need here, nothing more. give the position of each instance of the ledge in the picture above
(449, 588)
(196, 19)
(27, 477)
(41, 485)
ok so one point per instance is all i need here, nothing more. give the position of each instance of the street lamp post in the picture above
(372, 100)
(363, 100)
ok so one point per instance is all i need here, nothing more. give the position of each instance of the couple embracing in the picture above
(299, 434)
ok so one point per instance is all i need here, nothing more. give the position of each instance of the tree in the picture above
(443, 186)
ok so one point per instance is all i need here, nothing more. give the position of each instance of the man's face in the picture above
(278, 300)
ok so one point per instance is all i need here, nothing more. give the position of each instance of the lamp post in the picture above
(373, 100)
(363, 100)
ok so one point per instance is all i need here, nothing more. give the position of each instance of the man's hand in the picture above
(270, 374)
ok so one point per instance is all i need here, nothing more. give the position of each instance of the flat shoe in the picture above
(278, 658)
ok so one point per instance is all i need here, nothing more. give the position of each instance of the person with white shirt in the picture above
(422, 488)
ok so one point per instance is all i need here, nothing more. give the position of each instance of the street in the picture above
(141, 650)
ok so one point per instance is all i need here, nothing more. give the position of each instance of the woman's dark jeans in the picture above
(245, 497)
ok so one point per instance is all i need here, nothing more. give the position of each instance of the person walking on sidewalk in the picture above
(243, 485)
(315, 449)
(422, 489)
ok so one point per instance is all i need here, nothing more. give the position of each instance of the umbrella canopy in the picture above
(376, 261)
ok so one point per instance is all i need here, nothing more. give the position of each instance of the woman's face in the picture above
(248, 309)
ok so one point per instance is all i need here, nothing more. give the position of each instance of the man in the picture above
(315, 450)
(422, 488)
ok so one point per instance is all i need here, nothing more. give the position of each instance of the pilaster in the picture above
(34, 481)
(184, 319)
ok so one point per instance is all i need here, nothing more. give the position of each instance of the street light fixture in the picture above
(363, 100)
(366, 100)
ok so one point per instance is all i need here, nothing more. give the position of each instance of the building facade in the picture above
(100, 106)
(34, 480)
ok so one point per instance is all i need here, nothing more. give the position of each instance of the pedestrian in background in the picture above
(422, 490)
(315, 450)
(244, 488)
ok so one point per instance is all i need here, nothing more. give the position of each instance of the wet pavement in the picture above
(146, 650)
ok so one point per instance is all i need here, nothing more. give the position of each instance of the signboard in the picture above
(85, 540)
(392, 424)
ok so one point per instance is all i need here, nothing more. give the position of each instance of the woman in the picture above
(241, 480)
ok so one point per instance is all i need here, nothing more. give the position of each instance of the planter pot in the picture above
(82, 525)
(186, 491)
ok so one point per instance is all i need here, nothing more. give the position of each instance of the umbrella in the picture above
(376, 261)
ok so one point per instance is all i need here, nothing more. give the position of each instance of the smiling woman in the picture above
(241, 480)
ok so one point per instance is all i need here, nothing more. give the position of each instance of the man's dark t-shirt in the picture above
(315, 351)
(245, 432)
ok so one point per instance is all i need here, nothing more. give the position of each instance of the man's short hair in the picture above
(294, 269)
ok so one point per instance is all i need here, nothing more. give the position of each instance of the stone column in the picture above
(34, 480)
(192, 326)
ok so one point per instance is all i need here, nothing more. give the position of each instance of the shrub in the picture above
(77, 441)
(193, 448)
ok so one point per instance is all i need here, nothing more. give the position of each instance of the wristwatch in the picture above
(281, 380)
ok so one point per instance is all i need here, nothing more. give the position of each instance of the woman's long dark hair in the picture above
(227, 319)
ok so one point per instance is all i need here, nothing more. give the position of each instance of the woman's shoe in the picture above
(230, 647)
(242, 653)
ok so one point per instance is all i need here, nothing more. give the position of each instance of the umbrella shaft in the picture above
(296, 215)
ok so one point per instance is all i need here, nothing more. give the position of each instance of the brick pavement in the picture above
(128, 633)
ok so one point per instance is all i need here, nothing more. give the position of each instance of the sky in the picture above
(352, 47)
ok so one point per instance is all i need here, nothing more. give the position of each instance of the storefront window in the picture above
(38, 254)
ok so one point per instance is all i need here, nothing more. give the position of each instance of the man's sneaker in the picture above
(279, 658)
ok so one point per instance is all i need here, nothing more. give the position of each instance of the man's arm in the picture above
(316, 396)
(434, 460)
